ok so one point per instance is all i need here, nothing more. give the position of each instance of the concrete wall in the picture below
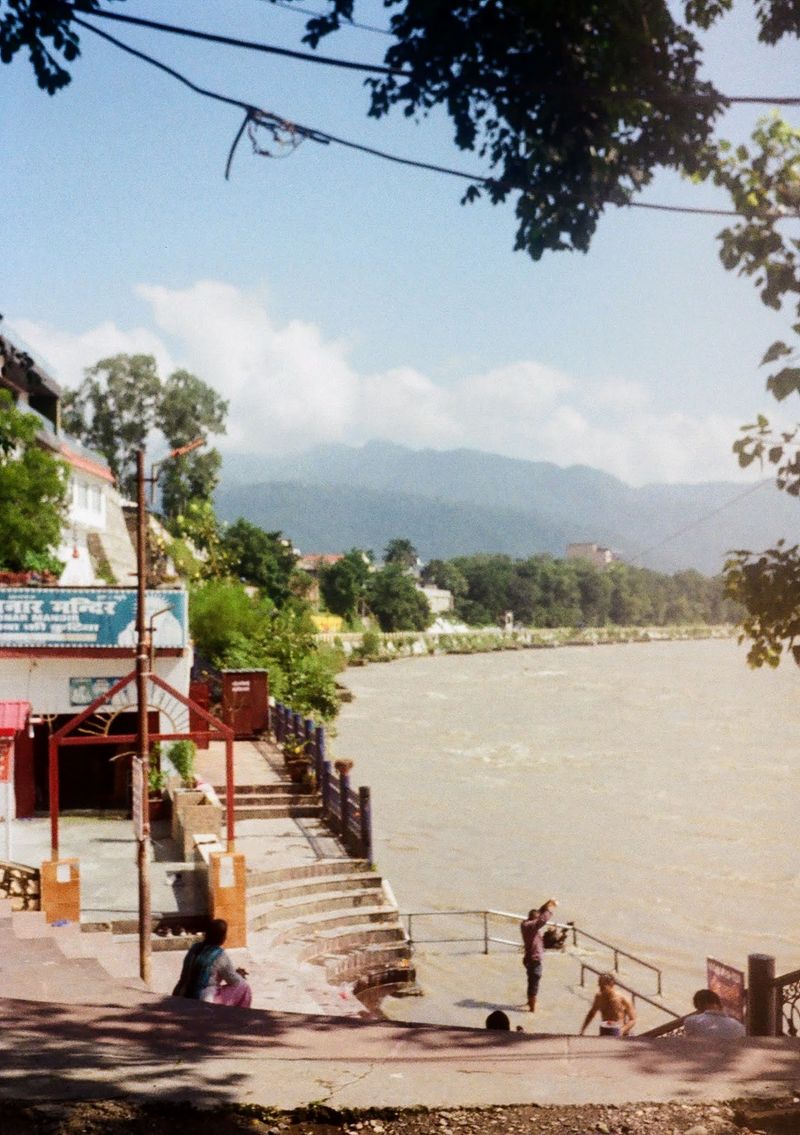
(43, 680)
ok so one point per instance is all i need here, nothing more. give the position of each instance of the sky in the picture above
(332, 297)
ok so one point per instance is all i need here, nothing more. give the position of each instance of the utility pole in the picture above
(141, 761)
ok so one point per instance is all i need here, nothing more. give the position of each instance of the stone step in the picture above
(305, 911)
(242, 790)
(276, 811)
(349, 939)
(371, 966)
(322, 867)
(315, 885)
(272, 799)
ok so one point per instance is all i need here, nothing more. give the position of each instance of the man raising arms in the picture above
(531, 929)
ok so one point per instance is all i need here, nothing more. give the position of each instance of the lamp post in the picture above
(141, 760)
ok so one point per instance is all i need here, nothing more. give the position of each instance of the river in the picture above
(652, 788)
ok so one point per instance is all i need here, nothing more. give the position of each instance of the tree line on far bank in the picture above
(541, 591)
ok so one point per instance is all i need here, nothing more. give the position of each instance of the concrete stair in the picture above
(335, 914)
(271, 801)
(40, 962)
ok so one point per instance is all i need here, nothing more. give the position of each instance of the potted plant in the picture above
(298, 762)
(182, 756)
(157, 802)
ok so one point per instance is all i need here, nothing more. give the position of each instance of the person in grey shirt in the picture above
(711, 1019)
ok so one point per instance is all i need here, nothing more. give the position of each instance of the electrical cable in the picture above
(701, 520)
(273, 121)
(247, 44)
(288, 6)
(377, 68)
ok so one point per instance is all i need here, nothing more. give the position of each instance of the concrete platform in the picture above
(186, 1050)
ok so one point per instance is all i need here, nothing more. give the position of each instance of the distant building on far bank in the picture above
(594, 553)
(440, 600)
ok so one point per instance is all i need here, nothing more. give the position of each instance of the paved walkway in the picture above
(187, 1050)
(106, 850)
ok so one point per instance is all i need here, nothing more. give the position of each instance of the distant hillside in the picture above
(461, 501)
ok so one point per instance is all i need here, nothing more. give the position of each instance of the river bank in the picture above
(373, 646)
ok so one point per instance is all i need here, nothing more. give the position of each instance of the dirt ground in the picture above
(120, 1117)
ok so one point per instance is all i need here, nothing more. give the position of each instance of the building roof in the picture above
(13, 716)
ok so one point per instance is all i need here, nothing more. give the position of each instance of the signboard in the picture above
(729, 985)
(88, 617)
(83, 691)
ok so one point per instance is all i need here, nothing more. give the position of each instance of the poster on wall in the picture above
(729, 985)
(90, 617)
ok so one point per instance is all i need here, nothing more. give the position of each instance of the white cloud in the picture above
(290, 387)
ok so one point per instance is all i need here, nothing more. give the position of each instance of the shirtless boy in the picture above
(617, 1015)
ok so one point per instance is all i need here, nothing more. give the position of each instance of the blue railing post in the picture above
(344, 807)
(308, 734)
(365, 810)
(319, 751)
(297, 726)
(325, 789)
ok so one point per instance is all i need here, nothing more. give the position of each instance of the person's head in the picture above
(706, 999)
(606, 981)
(498, 1020)
(217, 932)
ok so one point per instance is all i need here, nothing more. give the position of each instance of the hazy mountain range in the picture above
(457, 502)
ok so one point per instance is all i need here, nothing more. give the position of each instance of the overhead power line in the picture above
(379, 68)
(288, 6)
(283, 130)
(700, 520)
(247, 44)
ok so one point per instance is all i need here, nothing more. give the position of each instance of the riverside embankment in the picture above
(373, 646)
(651, 788)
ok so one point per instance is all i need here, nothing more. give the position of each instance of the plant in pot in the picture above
(298, 762)
(182, 756)
(157, 803)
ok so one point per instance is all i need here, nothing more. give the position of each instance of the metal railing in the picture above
(346, 810)
(488, 937)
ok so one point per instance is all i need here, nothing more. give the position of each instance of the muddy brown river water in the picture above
(653, 788)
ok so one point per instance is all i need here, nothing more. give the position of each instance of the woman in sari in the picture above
(208, 973)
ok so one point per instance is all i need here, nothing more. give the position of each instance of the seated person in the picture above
(711, 1019)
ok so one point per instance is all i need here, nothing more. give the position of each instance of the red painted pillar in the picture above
(52, 746)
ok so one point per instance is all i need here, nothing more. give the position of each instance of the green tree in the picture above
(265, 559)
(187, 409)
(122, 399)
(396, 602)
(113, 411)
(764, 185)
(233, 629)
(400, 551)
(342, 584)
(445, 574)
(33, 486)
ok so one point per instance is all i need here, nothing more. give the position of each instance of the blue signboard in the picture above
(88, 617)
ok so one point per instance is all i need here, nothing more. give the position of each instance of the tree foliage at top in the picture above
(571, 105)
(33, 486)
(122, 399)
(342, 584)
